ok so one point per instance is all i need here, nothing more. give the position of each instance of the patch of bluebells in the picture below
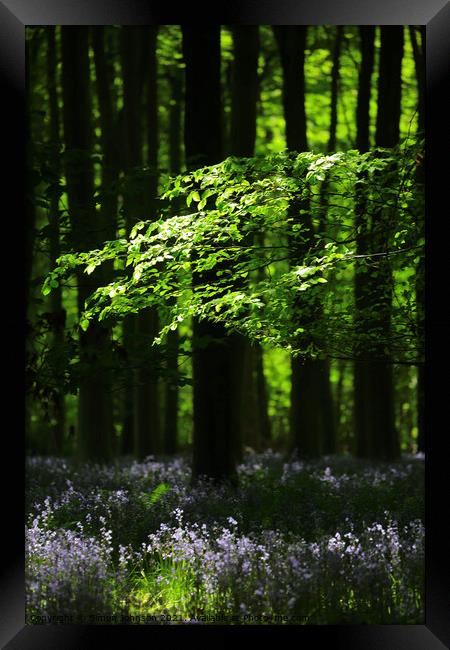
(330, 541)
(354, 574)
(69, 573)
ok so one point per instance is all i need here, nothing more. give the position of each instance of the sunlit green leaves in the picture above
(248, 286)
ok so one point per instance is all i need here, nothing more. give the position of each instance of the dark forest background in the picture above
(113, 112)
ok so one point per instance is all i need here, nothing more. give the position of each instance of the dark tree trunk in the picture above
(141, 423)
(387, 135)
(385, 441)
(389, 87)
(244, 90)
(172, 391)
(361, 368)
(307, 381)
(110, 147)
(214, 447)
(95, 428)
(56, 305)
(327, 409)
(244, 95)
(367, 40)
(335, 88)
(147, 429)
(131, 120)
(291, 43)
(109, 135)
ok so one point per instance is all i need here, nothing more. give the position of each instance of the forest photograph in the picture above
(225, 310)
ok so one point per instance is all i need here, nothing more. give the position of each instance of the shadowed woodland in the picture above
(225, 314)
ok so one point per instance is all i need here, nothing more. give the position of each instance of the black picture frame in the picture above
(14, 16)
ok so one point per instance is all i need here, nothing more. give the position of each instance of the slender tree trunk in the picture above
(130, 120)
(109, 135)
(141, 399)
(95, 427)
(306, 373)
(214, 447)
(361, 367)
(56, 305)
(109, 140)
(172, 391)
(244, 90)
(335, 88)
(386, 441)
(147, 404)
(327, 409)
(244, 94)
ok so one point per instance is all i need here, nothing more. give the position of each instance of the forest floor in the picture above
(333, 541)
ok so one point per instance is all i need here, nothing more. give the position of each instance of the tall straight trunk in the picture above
(419, 63)
(244, 90)
(139, 73)
(146, 400)
(95, 428)
(327, 409)
(361, 368)
(56, 304)
(419, 60)
(109, 134)
(335, 88)
(244, 95)
(306, 373)
(172, 391)
(213, 444)
(130, 121)
(386, 441)
(104, 74)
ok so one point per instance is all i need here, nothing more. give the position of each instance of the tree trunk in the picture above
(361, 367)
(141, 397)
(244, 95)
(306, 418)
(109, 140)
(147, 402)
(214, 447)
(419, 62)
(385, 439)
(109, 136)
(95, 428)
(172, 390)
(132, 204)
(56, 305)
(328, 422)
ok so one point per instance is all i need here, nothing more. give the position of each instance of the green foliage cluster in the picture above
(211, 263)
